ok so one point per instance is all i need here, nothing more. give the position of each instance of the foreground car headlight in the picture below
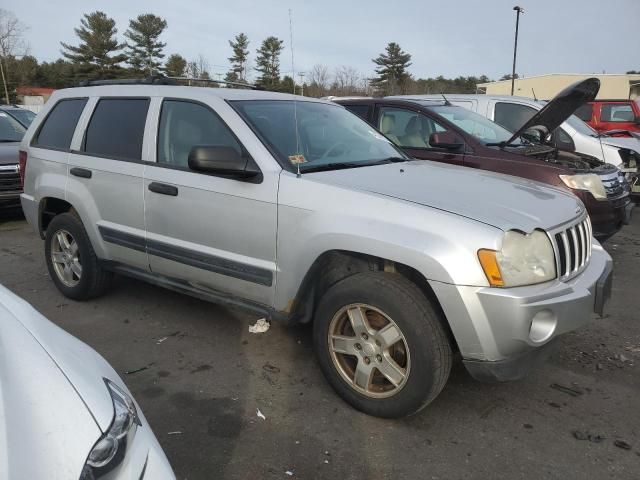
(586, 181)
(110, 449)
(523, 260)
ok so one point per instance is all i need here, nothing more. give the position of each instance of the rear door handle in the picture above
(80, 172)
(163, 189)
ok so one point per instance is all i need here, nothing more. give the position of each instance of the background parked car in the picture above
(11, 133)
(434, 129)
(64, 412)
(606, 115)
(572, 135)
(22, 115)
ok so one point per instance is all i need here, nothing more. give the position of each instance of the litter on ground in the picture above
(261, 326)
(260, 414)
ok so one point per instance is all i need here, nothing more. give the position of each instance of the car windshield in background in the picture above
(25, 117)
(317, 136)
(10, 129)
(483, 129)
(580, 126)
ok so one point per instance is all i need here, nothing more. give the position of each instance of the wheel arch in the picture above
(334, 265)
(48, 208)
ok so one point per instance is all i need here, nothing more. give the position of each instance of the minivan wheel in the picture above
(71, 260)
(381, 344)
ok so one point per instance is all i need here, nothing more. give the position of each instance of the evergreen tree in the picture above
(176, 66)
(96, 55)
(268, 63)
(286, 85)
(392, 70)
(144, 50)
(239, 58)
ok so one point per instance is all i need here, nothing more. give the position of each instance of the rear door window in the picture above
(512, 116)
(616, 112)
(406, 128)
(57, 129)
(116, 128)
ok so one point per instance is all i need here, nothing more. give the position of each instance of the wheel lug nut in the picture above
(379, 358)
(358, 346)
(378, 342)
(365, 336)
(366, 360)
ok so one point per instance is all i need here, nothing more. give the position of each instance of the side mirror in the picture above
(447, 140)
(221, 160)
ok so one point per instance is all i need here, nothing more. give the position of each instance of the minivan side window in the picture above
(57, 129)
(406, 128)
(116, 128)
(512, 116)
(360, 110)
(185, 124)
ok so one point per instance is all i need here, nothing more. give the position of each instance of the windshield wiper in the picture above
(7, 140)
(342, 165)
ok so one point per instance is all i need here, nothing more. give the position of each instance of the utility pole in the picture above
(518, 10)
(301, 75)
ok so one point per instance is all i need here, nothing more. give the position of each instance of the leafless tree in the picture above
(12, 43)
(198, 68)
(346, 81)
(319, 81)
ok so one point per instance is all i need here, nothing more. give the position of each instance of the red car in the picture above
(608, 115)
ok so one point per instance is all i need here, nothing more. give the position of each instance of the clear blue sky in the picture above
(456, 37)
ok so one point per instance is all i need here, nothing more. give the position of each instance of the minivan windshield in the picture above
(474, 124)
(316, 136)
(10, 129)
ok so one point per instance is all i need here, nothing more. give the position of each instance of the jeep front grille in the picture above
(572, 246)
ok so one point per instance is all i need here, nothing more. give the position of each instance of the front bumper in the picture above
(608, 217)
(501, 332)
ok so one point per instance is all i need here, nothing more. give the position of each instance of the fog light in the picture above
(543, 325)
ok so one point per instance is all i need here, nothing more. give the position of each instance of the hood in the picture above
(82, 366)
(563, 105)
(498, 200)
(46, 430)
(9, 153)
(631, 143)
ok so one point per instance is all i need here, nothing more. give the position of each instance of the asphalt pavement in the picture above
(201, 378)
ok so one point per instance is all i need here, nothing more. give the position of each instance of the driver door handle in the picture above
(163, 189)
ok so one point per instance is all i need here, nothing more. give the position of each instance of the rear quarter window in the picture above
(116, 128)
(58, 127)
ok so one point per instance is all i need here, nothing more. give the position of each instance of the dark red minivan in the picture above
(440, 131)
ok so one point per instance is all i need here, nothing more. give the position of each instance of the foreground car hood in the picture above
(498, 200)
(555, 112)
(81, 365)
(46, 430)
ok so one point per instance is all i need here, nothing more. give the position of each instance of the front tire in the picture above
(71, 260)
(381, 344)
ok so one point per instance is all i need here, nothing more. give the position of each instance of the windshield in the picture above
(480, 127)
(580, 126)
(25, 117)
(312, 135)
(10, 129)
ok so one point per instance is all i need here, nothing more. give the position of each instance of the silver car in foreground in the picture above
(298, 210)
(64, 412)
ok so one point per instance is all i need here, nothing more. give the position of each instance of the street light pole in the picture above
(518, 10)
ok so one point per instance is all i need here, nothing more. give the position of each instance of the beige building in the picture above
(612, 86)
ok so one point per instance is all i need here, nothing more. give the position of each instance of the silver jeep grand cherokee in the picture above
(298, 210)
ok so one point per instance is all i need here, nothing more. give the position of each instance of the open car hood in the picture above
(561, 107)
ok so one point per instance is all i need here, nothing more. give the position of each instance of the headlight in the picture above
(586, 181)
(109, 450)
(523, 260)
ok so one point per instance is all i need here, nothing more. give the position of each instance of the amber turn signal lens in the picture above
(490, 266)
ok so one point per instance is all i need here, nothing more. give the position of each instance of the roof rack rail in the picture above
(162, 80)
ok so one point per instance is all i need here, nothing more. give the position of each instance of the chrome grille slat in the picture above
(572, 245)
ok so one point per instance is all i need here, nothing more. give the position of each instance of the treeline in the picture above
(97, 53)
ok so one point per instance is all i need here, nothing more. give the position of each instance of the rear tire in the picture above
(71, 260)
(354, 353)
